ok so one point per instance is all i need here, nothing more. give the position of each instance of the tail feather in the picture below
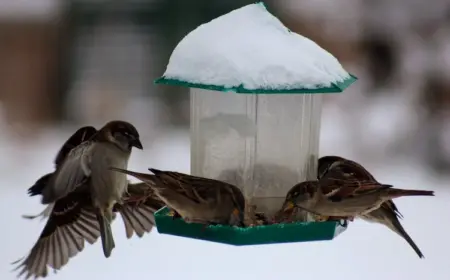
(390, 219)
(149, 179)
(398, 228)
(399, 193)
(155, 171)
(106, 235)
(40, 184)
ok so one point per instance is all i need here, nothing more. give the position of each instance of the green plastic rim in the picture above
(257, 235)
(334, 88)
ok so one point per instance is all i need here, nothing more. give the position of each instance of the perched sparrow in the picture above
(73, 218)
(340, 198)
(388, 214)
(196, 199)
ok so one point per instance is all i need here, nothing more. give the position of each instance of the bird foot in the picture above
(343, 223)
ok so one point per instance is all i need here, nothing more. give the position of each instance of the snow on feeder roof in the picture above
(264, 141)
(250, 51)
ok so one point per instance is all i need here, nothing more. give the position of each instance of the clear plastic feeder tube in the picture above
(262, 143)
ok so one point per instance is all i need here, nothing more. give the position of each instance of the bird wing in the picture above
(347, 169)
(137, 211)
(338, 189)
(71, 174)
(71, 223)
(81, 135)
(44, 214)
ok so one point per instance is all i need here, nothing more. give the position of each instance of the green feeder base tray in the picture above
(257, 235)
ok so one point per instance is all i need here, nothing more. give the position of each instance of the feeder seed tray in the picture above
(257, 235)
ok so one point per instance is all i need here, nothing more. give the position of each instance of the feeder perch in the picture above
(255, 117)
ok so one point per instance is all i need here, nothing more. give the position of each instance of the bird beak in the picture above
(136, 143)
(289, 205)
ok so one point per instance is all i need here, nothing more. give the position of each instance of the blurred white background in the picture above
(82, 62)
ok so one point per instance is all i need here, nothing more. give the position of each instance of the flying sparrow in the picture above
(78, 197)
(140, 201)
(195, 199)
(85, 169)
(388, 213)
(343, 198)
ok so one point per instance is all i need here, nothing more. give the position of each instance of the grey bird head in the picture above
(123, 134)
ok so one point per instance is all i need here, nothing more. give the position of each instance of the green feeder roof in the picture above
(250, 51)
(257, 235)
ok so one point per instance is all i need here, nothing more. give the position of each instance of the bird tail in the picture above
(397, 227)
(106, 234)
(147, 178)
(394, 193)
(40, 184)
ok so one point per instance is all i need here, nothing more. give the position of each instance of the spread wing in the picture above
(73, 172)
(138, 209)
(81, 135)
(44, 214)
(71, 223)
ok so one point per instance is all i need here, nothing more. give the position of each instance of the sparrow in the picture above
(343, 198)
(388, 213)
(195, 199)
(140, 203)
(74, 217)
(85, 169)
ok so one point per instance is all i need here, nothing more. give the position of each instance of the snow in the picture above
(365, 250)
(251, 47)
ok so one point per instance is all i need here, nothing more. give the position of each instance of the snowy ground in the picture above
(364, 251)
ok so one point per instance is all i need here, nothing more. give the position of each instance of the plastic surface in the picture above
(334, 88)
(277, 233)
(264, 144)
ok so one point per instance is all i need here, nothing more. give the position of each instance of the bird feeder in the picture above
(255, 89)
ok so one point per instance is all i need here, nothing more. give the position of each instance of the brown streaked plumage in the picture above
(343, 198)
(388, 213)
(196, 199)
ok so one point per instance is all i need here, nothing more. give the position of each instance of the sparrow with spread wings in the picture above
(387, 214)
(195, 199)
(73, 217)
